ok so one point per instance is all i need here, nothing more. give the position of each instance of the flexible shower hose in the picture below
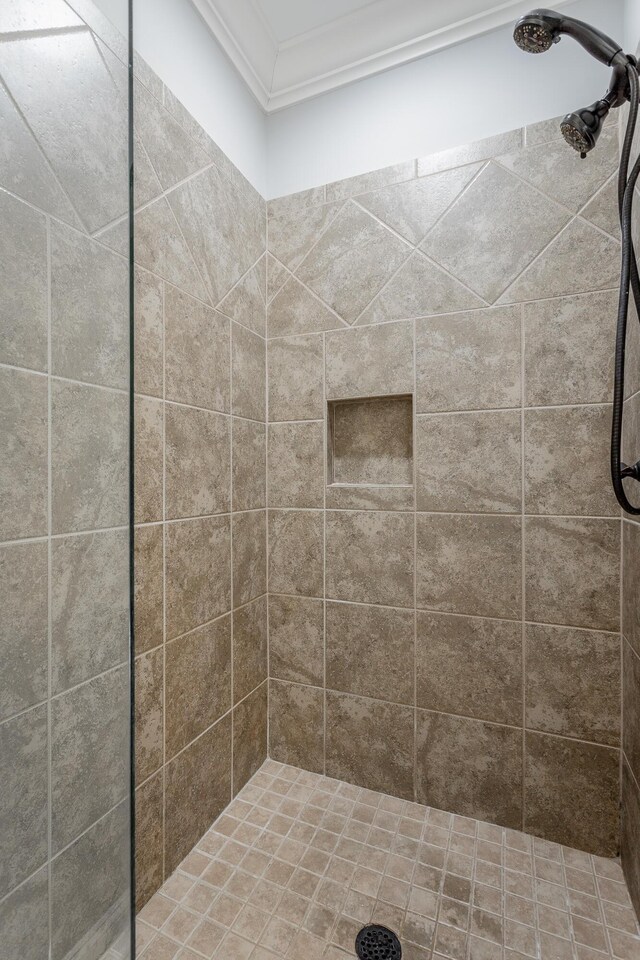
(629, 280)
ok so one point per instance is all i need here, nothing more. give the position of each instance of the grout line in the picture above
(328, 432)
(231, 580)
(415, 560)
(49, 590)
(523, 661)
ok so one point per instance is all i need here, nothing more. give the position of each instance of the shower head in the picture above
(582, 128)
(539, 30)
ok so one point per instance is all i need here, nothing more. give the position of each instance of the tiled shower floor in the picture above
(299, 862)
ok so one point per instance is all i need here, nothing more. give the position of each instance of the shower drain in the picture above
(378, 943)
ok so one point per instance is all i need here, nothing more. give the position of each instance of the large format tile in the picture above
(469, 767)
(370, 743)
(197, 462)
(354, 245)
(23, 627)
(420, 289)
(296, 310)
(494, 231)
(90, 884)
(470, 152)
(572, 571)
(296, 639)
(198, 683)
(364, 182)
(149, 587)
(369, 651)
(469, 361)
(562, 775)
(296, 552)
(369, 362)
(296, 464)
(249, 460)
(148, 346)
(198, 573)
(566, 461)
(295, 225)
(23, 298)
(630, 592)
(150, 714)
(469, 462)
(630, 833)
(412, 208)
(89, 606)
(573, 683)
(249, 736)
(89, 754)
(370, 557)
(197, 788)
(148, 496)
(249, 542)
(631, 708)
(197, 353)
(470, 565)
(249, 648)
(23, 454)
(24, 801)
(248, 374)
(470, 666)
(296, 378)
(568, 349)
(85, 137)
(89, 457)
(149, 839)
(296, 724)
(89, 310)
(246, 302)
(24, 920)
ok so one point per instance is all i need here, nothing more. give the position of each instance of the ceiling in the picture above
(290, 50)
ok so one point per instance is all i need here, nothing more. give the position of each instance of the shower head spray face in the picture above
(533, 34)
(582, 128)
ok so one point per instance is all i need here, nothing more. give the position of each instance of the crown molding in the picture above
(382, 35)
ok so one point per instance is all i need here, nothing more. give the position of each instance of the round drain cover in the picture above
(378, 943)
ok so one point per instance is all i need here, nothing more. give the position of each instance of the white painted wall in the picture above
(478, 88)
(174, 41)
(632, 25)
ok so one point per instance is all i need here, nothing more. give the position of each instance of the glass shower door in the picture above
(65, 831)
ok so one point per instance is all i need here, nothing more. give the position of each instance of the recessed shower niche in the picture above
(370, 441)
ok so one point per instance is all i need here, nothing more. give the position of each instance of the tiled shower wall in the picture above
(201, 607)
(64, 366)
(453, 637)
(631, 621)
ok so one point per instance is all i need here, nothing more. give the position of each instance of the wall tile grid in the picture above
(631, 613)
(64, 360)
(201, 583)
(454, 640)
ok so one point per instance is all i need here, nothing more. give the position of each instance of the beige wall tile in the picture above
(562, 775)
(149, 674)
(249, 538)
(469, 462)
(197, 367)
(248, 374)
(469, 666)
(296, 639)
(352, 186)
(370, 651)
(24, 918)
(469, 361)
(573, 683)
(566, 463)
(197, 462)
(198, 683)
(296, 378)
(478, 150)
(297, 310)
(568, 350)
(370, 361)
(470, 565)
(149, 587)
(370, 557)
(630, 835)
(197, 789)
(249, 736)
(370, 743)
(296, 464)
(149, 839)
(249, 465)
(148, 462)
(198, 573)
(249, 648)
(296, 725)
(296, 552)
(470, 767)
(572, 571)
(23, 454)
(23, 627)
(149, 333)
(630, 593)
(371, 441)
(631, 708)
